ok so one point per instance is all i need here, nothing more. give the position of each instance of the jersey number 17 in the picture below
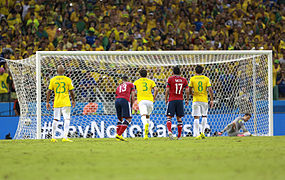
(178, 88)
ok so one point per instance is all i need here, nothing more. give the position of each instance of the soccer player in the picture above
(61, 85)
(123, 106)
(198, 89)
(174, 89)
(145, 98)
(233, 129)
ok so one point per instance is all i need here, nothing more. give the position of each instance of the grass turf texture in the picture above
(158, 158)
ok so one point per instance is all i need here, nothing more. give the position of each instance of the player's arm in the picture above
(72, 98)
(155, 91)
(187, 91)
(211, 97)
(48, 97)
(228, 127)
(133, 93)
(166, 94)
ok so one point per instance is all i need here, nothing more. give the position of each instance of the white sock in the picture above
(148, 120)
(144, 120)
(66, 128)
(54, 126)
(196, 128)
(204, 123)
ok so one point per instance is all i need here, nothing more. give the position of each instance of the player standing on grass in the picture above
(234, 127)
(145, 98)
(174, 89)
(198, 88)
(123, 106)
(61, 85)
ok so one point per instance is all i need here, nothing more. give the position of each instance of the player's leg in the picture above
(204, 112)
(169, 114)
(196, 113)
(149, 111)
(179, 114)
(119, 115)
(127, 114)
(143, 112)
(57, 115)
(66, 117)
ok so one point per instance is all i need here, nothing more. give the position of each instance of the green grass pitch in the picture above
(219, 158)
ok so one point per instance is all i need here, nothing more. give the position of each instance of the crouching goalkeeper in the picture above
(233, 129)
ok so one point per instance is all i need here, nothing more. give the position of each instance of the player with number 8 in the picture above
(198, 89)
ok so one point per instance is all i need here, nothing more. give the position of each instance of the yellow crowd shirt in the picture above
(143, 87)
(199, 83)
(61, 85)
(3, 83)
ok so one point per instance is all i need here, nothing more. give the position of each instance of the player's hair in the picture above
(125, 78)
(199, 69)
(143, 73)
(176, 70)
(247, 114)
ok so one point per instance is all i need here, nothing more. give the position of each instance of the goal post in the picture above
(233, 70)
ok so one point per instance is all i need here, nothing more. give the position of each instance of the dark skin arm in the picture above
(48, 97)
(211, 97)
(166, 95)
(187, 96)
(72, 98)
(155, 91)
(132, 98)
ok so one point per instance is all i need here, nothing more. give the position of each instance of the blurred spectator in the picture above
(4, 85)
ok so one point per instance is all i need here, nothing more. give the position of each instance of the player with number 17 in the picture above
(174, 89)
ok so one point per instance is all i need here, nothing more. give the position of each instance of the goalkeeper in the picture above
(233, 129)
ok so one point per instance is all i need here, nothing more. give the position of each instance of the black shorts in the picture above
(175, 107)
(123, 108)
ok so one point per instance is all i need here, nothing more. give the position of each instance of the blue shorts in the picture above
(123, 108)
(175, 107)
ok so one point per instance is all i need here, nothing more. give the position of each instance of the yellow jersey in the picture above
(144, 86)
(3, 83)
(61, 85)
(199, 83)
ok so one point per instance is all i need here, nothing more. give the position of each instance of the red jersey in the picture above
(124, 90)
(176, 85)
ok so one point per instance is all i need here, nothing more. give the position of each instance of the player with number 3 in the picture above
(198, 88)
(145, 98)
(174, 89)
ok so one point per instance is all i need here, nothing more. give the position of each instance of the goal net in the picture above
(241, 81)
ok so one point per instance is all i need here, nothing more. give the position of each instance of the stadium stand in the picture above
(28, 26)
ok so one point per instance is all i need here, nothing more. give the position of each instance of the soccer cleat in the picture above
(203, 136)
(198, 137)
(123, 139)
(53, 140)
(146, 131)
(171, 137)
(120, 138)
(66, 140)
(179, 138)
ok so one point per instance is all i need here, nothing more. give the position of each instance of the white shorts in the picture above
(145, 107)
(65, 112)
(199, 109)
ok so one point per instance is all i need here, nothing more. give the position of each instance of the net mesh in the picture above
(239, 81)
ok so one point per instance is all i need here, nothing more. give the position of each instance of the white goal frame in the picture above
(39, 54)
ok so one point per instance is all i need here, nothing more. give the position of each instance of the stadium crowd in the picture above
(28, 26)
